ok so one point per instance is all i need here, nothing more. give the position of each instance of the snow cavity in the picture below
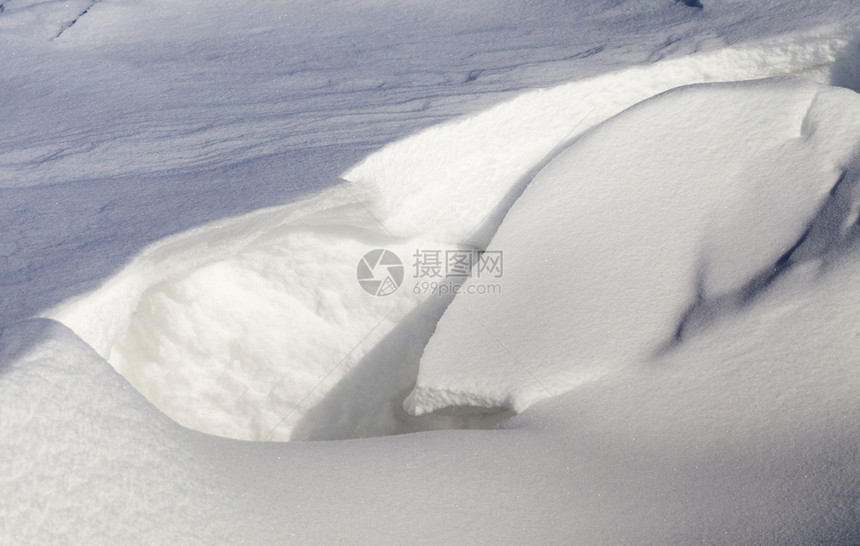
(257, 328)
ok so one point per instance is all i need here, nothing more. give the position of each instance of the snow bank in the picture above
(656, 224)
(255, 327)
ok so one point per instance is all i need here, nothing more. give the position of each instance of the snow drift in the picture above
(247, 327)
(735, 422)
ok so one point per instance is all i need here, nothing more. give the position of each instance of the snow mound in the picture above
(652, 227)
(257, 327)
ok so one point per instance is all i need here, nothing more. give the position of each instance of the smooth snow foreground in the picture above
(255, 328)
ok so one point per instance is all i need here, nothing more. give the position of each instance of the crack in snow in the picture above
(71, 23)
(829, 235)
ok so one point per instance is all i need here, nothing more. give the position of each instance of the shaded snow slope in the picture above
(146, 119)
(674, 215)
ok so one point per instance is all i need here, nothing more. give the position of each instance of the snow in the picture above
(498, 150)
(203, 324)
(186, 191)
(678, 203)
(229, 328)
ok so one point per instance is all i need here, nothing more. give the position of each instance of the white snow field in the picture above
(668, 354)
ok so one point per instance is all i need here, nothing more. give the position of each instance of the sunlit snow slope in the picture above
(680, 213)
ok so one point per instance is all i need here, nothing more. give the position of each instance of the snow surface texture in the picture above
(731, 417)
